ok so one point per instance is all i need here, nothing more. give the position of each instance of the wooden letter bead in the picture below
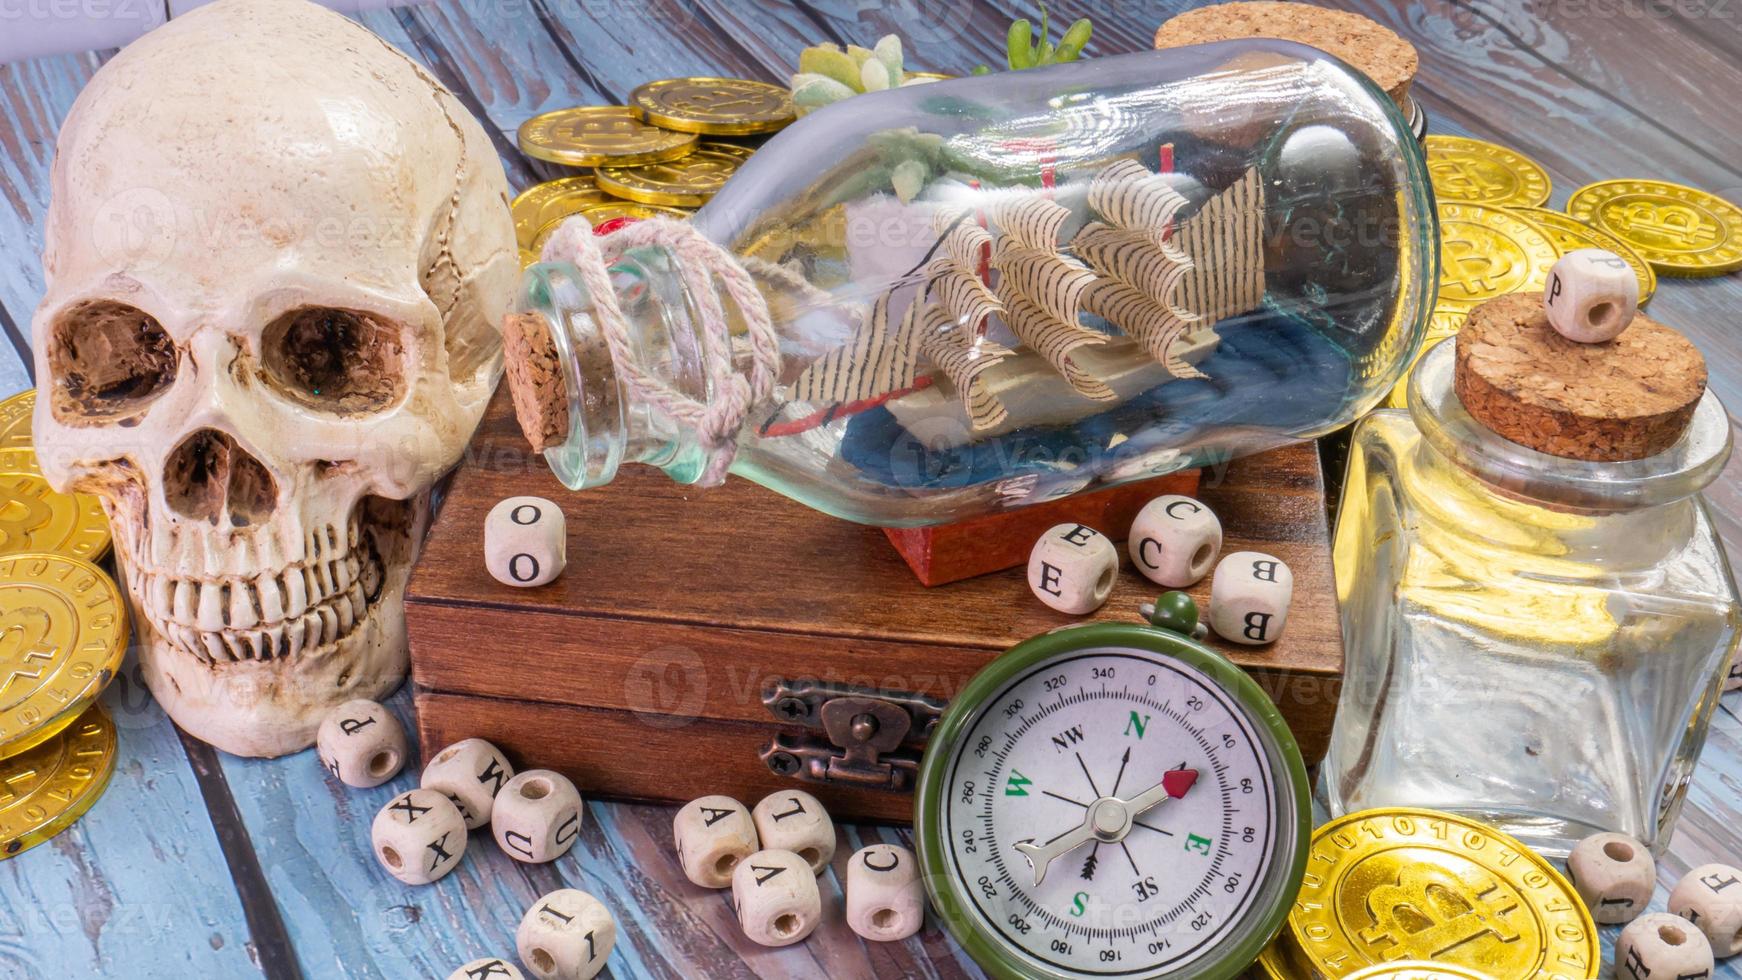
(1710, 898)
(470, 773)
(1249, 598)
(1174, 541)
(775, 895)
(489, 968)
(793, 820)
(1072, 568)
(1661, 946)
(419, 836)
(1733, 680)
(713, 834)
(362, 744)
(1614, 874)
(537, 816)
(566, 935)
(1591, 296)
(885, 897)
(525, 541)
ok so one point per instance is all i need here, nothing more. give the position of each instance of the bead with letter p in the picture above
(1591, 296)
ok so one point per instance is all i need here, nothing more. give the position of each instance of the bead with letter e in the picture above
(1072, 568)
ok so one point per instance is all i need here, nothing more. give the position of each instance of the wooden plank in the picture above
(138, 886)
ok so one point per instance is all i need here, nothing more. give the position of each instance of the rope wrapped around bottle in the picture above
(703, 265)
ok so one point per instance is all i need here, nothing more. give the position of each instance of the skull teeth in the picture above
(305, 606)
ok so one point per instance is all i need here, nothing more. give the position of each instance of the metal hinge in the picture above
(870, 739)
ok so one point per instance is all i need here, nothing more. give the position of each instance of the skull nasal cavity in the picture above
(210, 478)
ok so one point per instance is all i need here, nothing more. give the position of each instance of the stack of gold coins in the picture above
(63, 632)
(1405, 893)
(648, 158)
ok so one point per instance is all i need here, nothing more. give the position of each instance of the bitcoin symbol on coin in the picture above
(1477, 269)
(1429, 912)
(1676, 224)
(21, 514)
(1468, 182)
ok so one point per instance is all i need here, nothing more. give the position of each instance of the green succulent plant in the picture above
(1024, 50)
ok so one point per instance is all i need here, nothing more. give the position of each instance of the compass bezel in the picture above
(949, 895)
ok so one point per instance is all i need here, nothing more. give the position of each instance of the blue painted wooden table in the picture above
(200, 865)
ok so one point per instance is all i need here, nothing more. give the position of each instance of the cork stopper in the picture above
(535, 380)
(1371, 48)
(1628, 398)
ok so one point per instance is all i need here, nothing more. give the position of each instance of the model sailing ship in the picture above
(1163, 283)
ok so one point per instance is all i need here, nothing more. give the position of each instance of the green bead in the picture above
(1175, 611)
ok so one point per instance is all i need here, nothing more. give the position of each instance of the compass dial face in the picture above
(1180, 821)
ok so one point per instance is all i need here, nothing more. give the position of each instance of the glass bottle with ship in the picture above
(982, 293)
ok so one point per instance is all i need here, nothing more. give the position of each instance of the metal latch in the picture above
(870, 739)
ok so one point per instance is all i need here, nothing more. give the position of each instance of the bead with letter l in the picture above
(1249, 597)
(1591, 296)
(525, 541)
(566, 935)
(537, 816)
(1174, 541)
(793, 820)
(1072, 568)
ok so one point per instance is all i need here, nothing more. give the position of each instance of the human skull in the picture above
(276, 252)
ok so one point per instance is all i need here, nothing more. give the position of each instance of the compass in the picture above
(1113, 800)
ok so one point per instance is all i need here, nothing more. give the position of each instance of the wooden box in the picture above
(642, 670)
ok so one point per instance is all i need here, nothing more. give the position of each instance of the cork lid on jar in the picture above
(1628, 398)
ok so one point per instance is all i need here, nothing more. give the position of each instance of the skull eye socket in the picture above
(339, 361)
(108, 360)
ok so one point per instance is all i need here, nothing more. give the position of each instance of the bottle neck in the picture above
(607, 424)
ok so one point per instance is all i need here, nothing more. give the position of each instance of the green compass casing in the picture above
(1113, 800)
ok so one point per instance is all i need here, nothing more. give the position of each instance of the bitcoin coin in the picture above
(1417, 970)
(598, 214)
(1681, 231)
(730, 149)
(1402, 884)
(1281, 961)
(63, 630)
(541, 204)
(714, 106)
(600, 135)
(689, 182)
(1487, 252)
(35, 518)
(1480, 172)
(1570, 234)
(45, 789)
(15, 420)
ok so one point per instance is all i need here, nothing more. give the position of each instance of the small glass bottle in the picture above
(1292, 187)
(1532, 641)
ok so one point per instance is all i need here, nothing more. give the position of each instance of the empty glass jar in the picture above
(1533, 641)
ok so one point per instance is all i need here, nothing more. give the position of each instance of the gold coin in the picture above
(714, 106)
(35, 518)
(1681, 231)
(742, 153)
(45, 789)
(541, 204)
(63, 630)
(598, 214)
(1570, 234)
(600, 135)
(936, 76)
(15, 415)
(1281, 961)
(1417, 970)
(1487, 252)
(1480, 172)
(689, 182)
(1404, 884)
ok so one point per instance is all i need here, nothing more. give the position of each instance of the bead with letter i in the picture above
(419, 836)
(537, 816)
(566, 935)
(1591, 296)
(488, 968)
(525, 541)
(361, 744)
(1072, 568)
(713, 834)
(1710, 898)
(1249, 598)
(776, 898)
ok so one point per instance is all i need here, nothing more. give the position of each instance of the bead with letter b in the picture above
(566, 935)
(1614, 874)
(361, 743)
(488, 968)
(775, 895)
(1072, 568)
(885, 897)
(1591, 296)
(537, 816)
(713, 834)
(469, 772)
(525, 541)
(1710, 898)
(1661, 946)
(1174, 541)
(793, 820)
(419, 836)
(1249, 597)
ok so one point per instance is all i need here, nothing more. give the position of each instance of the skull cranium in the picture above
(276, 252)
